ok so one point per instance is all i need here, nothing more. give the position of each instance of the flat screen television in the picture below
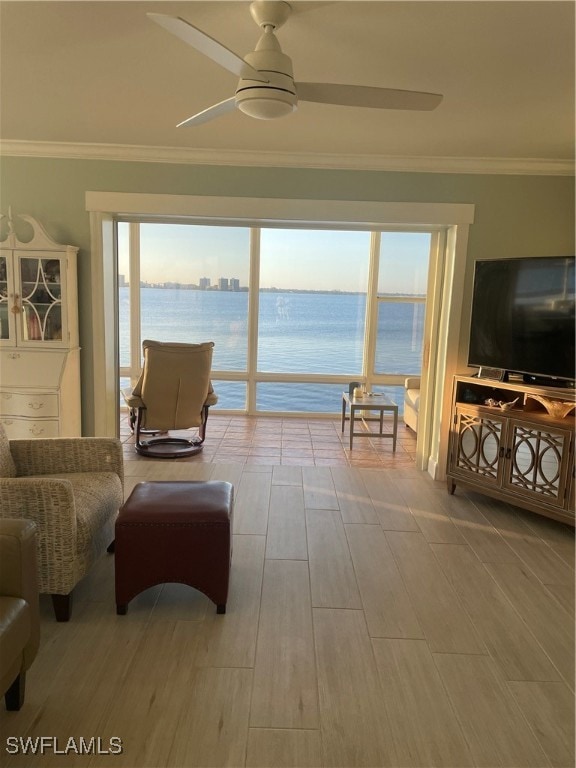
(523, 318)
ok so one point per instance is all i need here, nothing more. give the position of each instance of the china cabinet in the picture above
(515, 442)
(39, 352)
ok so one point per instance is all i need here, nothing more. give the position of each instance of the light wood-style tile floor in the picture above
(373, 620)
(298, 442)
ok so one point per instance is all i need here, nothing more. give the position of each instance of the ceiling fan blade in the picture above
(228, 105)
(367, 96)
(207, 45)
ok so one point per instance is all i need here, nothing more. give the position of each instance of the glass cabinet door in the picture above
(41, 315)
(6, 316)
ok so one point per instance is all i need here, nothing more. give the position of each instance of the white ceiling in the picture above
(103, 73)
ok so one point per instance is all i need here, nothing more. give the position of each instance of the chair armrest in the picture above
(51, 456)
(18, 573)
(131, 400)
(18, 559)
(211, 397)
(49, 502)
(412, 382)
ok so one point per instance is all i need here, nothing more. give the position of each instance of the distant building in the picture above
(234, 284)
(204, 283)
(122, 281)
(223, 284)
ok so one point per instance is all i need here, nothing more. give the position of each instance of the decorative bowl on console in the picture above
(558, 409)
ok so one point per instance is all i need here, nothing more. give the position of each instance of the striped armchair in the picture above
(72, 488)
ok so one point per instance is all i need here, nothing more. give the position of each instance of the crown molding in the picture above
(357, 162)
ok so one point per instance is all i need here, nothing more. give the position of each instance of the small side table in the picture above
(379, 403)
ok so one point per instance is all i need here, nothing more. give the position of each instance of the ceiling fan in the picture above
(266, 89)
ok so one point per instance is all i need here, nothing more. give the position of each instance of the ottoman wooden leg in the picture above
(221, 608)
(62, 605)
(121, 610)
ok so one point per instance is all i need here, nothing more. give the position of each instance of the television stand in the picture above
(504, 443)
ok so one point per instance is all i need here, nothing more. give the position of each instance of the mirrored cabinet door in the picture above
(537, 462)
(478, 446)
(41, 314)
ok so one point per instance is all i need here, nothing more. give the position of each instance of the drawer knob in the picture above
(36, 405)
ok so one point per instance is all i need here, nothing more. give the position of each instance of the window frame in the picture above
(443, 357)
(252, 376)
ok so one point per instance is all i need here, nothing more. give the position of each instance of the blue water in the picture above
(298, 333)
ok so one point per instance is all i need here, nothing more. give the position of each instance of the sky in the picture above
(290, 258)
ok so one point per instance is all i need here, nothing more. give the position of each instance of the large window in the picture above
(401, 298)
(295, 313)
(193, 286)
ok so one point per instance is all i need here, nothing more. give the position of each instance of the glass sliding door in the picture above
(403, 261)
(128, 317)
(193, 287)
(312, 313)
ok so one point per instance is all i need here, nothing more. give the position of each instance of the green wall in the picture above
(514, 215)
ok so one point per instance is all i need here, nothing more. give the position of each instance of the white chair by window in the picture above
(411, 402)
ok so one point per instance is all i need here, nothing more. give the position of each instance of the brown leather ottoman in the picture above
(175, 532)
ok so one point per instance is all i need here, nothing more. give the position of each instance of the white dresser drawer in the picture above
(25, 367)
(29, 404)
(18, 429)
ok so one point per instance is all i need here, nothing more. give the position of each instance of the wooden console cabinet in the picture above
(39, 352)
(519, 454)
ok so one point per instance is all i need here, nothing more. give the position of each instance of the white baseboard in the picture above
(433, 468)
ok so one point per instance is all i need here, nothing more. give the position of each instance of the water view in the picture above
(298, 332)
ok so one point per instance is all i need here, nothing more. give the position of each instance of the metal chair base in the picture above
(169, 448)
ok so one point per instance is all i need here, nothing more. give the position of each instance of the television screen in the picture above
(523, 316)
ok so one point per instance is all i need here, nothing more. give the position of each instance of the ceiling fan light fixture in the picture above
(267, 107)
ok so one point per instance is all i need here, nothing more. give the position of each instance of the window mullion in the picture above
(135, 305)
(371, 325)
(253, 309)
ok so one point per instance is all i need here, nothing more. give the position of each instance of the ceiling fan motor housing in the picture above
(276, 98)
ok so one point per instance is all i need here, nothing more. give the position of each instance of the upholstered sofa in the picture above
(411, 402)
(19, 615)
(72, 488)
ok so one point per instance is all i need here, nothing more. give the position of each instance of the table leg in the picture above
(395, 429)
(351, 425)
(381, 420)
(343, 413)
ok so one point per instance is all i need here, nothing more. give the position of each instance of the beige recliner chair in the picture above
(174, 392)
(19, 614)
